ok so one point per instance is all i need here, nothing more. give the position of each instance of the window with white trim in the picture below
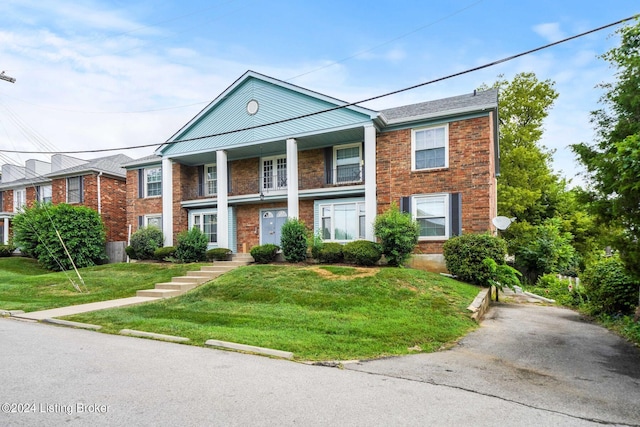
(74, 189)
(274, 173)
(153, 182)
(19, 199)
(342, 222)
(44, 194)
(153, 220)
(210, 180)
(432, 214)
(348, 160)
(207, 222)
(430, 148)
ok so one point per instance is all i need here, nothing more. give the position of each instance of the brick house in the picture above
(241, 167)
(98, 184)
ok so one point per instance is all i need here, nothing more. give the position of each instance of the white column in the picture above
(223, 200)
(292, 179)
(167, 201)
(370, 197)
(6, 231)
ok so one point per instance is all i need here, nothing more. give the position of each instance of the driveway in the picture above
(539, 357)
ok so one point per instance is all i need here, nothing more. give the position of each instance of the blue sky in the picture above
(106, 74)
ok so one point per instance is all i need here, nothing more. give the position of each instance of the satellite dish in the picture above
(502, 222)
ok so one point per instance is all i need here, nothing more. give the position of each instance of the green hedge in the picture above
(464, 256)
(362, 252)
(265, 254)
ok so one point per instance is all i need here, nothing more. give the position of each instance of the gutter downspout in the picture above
(99, 196)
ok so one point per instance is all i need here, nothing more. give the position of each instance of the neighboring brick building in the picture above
(98, 184)
(335, 170)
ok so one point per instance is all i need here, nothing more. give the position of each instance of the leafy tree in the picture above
(294, 240)
(192, 246)
(398, 234)
(39, 230)
(144, 242)
(613, 160)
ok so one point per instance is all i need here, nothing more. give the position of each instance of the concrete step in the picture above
(234, 263)
(184, 287)
(209, 274)
(218, 268)
(191, 279)
(158, 293)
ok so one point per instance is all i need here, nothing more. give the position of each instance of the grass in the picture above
(24, 285)
(318, 313)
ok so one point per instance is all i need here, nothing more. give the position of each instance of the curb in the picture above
(250, 349)
(162, 337)
(70, 324)
(10, 313)
(480, 305)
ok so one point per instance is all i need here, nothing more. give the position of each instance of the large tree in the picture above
(613, 159)
(526, 181)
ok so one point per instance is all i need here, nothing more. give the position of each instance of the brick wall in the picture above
(245, 176)
(470, 172)
(137, 206)
(311, 169)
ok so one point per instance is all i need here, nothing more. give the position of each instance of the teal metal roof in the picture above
(277, 100)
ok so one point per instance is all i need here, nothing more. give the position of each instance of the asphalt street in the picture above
(52, 376)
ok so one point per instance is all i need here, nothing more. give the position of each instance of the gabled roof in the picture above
(471, 102)
(276, 102)
(110, 165)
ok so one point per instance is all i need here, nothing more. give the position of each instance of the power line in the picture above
(339, 107)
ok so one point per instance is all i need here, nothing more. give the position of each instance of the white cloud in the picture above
(550, 31)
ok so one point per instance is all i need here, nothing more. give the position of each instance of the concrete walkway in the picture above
(82, 308)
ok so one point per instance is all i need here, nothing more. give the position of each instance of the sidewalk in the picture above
(82, 308)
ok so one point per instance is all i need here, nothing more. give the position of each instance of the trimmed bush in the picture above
(130, 252)
(609, 287)
(398, 234)
(192, 246)
(164, 254)
(294, 240)
(6, 250)
(362, 252)
(35, 232)
(145, 241)
(464, 256)
(330, 252)
(218, 254)
(264, 254)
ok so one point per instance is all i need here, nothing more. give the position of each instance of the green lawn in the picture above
(318, 313)
(24, 285)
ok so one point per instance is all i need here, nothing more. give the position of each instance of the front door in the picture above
(271, 224)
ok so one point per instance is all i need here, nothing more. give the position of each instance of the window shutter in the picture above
(228, 178)
(140, 183)
(140, 221)
(37, 193)
(81, 185)
(1, 201)
(405, 204)
(328, 165)
(200, 180)
(455, 207)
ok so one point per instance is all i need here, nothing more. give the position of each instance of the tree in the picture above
(526, 180)
(613, 160)
(40, 230)
(398, 234)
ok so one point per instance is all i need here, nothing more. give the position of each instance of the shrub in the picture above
(218, 254)
(398, 234)
(264, 254)
(330, 252)
(610, 287)
(145, 241)
(294, 240)
(315, 243)
(192, 246)
(464, 256)
(564, 291)
(6, 250)
(164, 254)
(130, 252)
(81, 229)
(362, 252)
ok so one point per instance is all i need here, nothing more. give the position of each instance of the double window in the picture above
(207, 222)
(274, 173)
(342, 222)
(153, 182)
(19, 199)
(348, 160)
(74, 189)
(430, 148)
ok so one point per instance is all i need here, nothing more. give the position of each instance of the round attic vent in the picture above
(252, 107)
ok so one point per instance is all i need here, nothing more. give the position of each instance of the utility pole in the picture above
(3, 76)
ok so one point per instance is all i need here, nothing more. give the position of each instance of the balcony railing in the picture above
(341, 176)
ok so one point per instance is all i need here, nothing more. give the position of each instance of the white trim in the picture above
(292, 179)
(167, 201)
(223, 200)
(205, 182)
(447, 214)
(446, 147)
(17, 206)
(146, 182)
(370, 192)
